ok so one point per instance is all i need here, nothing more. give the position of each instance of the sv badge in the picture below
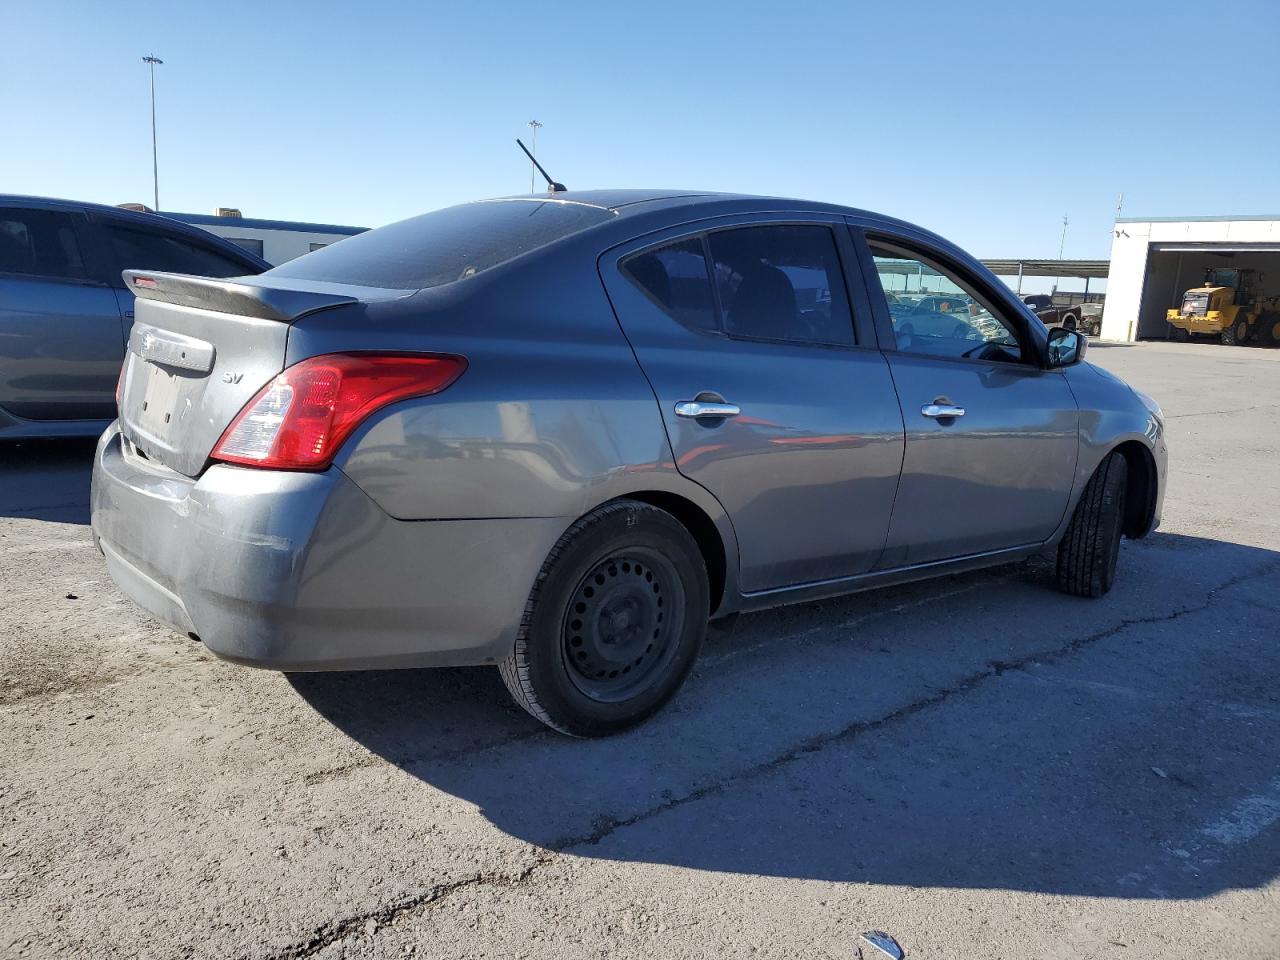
(232, 377)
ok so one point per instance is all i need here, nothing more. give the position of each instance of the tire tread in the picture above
(1086, 555)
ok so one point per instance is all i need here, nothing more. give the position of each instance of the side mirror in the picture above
(1066, 347)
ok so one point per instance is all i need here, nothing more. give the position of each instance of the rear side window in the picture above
(675, 277)
(39, 243)
(144, 250)
(782, 283)
(770, 283)
(446, 245)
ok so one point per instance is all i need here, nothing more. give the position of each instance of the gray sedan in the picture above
(558, 434)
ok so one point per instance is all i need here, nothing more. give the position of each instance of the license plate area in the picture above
(159, 400)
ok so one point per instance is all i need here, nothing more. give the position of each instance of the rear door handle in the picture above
(706, 410)
(938, 411)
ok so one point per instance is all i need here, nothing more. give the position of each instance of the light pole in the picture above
(533, 148)
(1062, 245)
(152, 62)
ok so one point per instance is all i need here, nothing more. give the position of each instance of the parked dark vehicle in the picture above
(1086, 317)
(65, 312)
(557, 434)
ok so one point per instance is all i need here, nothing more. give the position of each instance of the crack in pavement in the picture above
(330, 933)
(1210, 413)
(606, 826)
(819, 742)
(703, 664)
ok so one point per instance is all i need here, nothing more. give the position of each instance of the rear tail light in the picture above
(300, 419)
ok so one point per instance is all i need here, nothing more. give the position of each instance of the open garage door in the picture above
(1174, 268)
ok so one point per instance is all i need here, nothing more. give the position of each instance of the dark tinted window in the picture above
(676, 278)
(444, 246)
(144, 250)
(39, 243)
(781, 283)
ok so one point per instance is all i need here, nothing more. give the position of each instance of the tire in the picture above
(1268, 330)
(613, 624)
(1088, 552)
(1179, 335)
(1228, 337)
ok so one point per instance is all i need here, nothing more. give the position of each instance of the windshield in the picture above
(446, 245)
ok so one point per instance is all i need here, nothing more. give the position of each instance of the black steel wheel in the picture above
(614, 622)
(619, 629)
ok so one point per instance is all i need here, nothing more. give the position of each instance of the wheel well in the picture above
(1140, 492)
(703, 530)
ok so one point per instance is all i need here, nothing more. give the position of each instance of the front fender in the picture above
(1111, 416)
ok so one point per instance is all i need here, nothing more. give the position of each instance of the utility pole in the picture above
(1062, 246)
(533, 148)
(152, 62)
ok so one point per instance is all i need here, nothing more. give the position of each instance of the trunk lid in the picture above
(200, 349)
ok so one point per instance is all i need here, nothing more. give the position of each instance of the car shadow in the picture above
(854, 741)
(46, 479)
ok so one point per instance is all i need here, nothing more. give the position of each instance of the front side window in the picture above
(145, 250)
(39, 243)
(770, 283)
(936, 315)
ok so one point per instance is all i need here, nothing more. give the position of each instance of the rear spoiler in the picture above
(229, 296)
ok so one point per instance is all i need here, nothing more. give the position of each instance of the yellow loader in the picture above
(1228, 306)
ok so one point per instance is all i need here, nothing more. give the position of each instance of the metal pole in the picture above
(533, 148)
(151, 61)
(1019, 278)
(1062, 246)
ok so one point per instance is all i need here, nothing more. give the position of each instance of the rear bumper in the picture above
(303, 571)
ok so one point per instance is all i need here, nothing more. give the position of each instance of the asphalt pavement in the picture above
(979, 765)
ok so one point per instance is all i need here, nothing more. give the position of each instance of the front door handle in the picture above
(706, 410)
(939, 411)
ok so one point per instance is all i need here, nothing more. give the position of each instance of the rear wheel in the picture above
(613, 624)
(1267, 333)
(1089, 551)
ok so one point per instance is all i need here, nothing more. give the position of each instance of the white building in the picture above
(1154, 260)
(274, 240)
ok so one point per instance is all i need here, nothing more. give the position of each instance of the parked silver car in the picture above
(557, 434)
(65, 311)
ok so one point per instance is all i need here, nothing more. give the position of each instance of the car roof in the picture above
(642, 200)
(136, 216)
(698, 204)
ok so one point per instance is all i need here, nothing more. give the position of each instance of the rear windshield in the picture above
(443, 246)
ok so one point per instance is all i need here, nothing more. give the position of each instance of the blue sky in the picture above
(984, 121)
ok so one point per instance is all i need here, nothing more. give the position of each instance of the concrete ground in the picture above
(980, 766)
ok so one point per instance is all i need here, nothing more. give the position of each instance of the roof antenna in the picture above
(552, 186)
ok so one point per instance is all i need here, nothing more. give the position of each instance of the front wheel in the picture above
(613, 624)
(1089, 551)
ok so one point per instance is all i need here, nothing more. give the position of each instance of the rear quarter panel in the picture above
(552, 417)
